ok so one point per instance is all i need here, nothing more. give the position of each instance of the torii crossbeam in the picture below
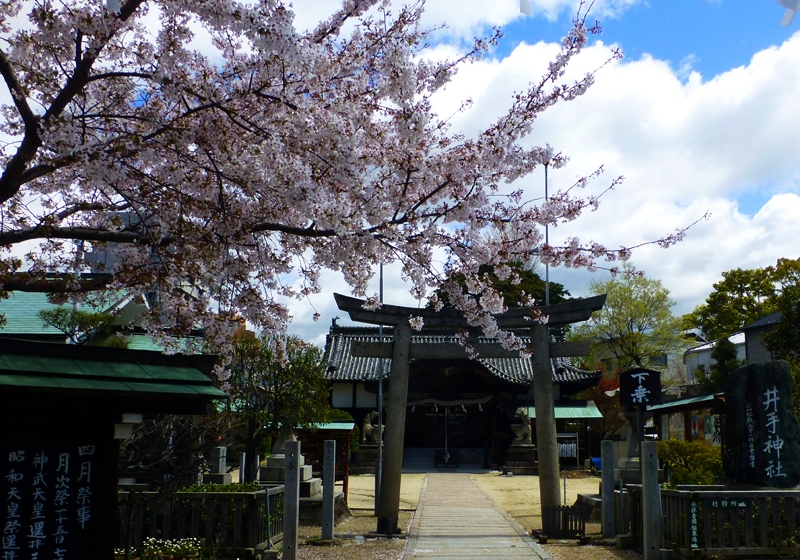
(401, 351)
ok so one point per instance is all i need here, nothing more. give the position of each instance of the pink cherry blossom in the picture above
(214, 178)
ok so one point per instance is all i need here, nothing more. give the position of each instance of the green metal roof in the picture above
(30, 365)
(21, 311)
(142, 342)
(346, 426)
(682, 403)
(572, 410)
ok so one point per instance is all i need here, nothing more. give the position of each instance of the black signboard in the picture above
(762, 444)
(639, 387)
(53, 489)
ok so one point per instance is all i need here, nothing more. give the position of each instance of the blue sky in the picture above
(702, 115)
(714, 36)
(717, 36)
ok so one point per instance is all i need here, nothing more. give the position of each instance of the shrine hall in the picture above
(459, 404)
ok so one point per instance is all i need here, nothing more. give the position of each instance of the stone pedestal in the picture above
(364, 460)
(273, 471)
(521, 459)
(628, 470)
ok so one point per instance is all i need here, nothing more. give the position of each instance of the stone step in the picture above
(278, 474)
(310, 487)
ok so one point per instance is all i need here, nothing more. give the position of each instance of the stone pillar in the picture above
(291, 500)
(218, 467)
(546, 443)
(329, 489)
(389, 505)
(651, 502)
(608, 513)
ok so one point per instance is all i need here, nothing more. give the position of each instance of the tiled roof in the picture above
(771, 319)
(342, 366)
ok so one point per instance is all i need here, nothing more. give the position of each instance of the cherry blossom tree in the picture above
(214, 176)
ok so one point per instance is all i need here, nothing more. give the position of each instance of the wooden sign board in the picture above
(639, 387)
(57, 491)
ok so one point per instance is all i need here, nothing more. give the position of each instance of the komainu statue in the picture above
(369, 431)
(523, 429)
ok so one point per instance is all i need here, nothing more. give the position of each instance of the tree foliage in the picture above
(744, 296)
(636, 324)
(608, 405)
(521, 287)
(83, 327)
(784, 340)
(275, 152)
(275, 382)
(741, 297)
(725, 361)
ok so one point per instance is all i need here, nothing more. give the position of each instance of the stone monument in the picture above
(367, 455)
(761, 439)
(273, 468)
(521, 457)
(218, 467)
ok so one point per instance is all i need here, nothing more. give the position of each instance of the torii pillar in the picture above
(391, 475)
(402, 351)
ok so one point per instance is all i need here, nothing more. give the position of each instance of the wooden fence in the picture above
(725, 522)
(232, 523)
(564, 521)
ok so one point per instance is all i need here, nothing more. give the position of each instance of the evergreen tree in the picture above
(724, 355)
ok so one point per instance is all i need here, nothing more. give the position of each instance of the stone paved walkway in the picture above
(457, 520)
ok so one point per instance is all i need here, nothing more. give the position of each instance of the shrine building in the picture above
(458, 404)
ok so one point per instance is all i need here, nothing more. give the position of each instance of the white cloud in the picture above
(685, 146)
(467, 19)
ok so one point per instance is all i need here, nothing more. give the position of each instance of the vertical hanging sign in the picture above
(639, 387)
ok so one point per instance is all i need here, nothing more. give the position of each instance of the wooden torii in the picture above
(401, 351)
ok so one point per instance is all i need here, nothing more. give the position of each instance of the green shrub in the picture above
(689, 462)
(233, 487)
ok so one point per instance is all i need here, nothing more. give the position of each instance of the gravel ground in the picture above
(354, 541)
(516, 495)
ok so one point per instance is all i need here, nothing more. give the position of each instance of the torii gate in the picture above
(401, 351)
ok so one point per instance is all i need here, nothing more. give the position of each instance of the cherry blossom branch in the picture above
(29, 119)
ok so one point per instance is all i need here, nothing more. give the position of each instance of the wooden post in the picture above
(291, 499)
(546, 445)
(608, 513)
(651, 502)
(329, 490)
(389, 505)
